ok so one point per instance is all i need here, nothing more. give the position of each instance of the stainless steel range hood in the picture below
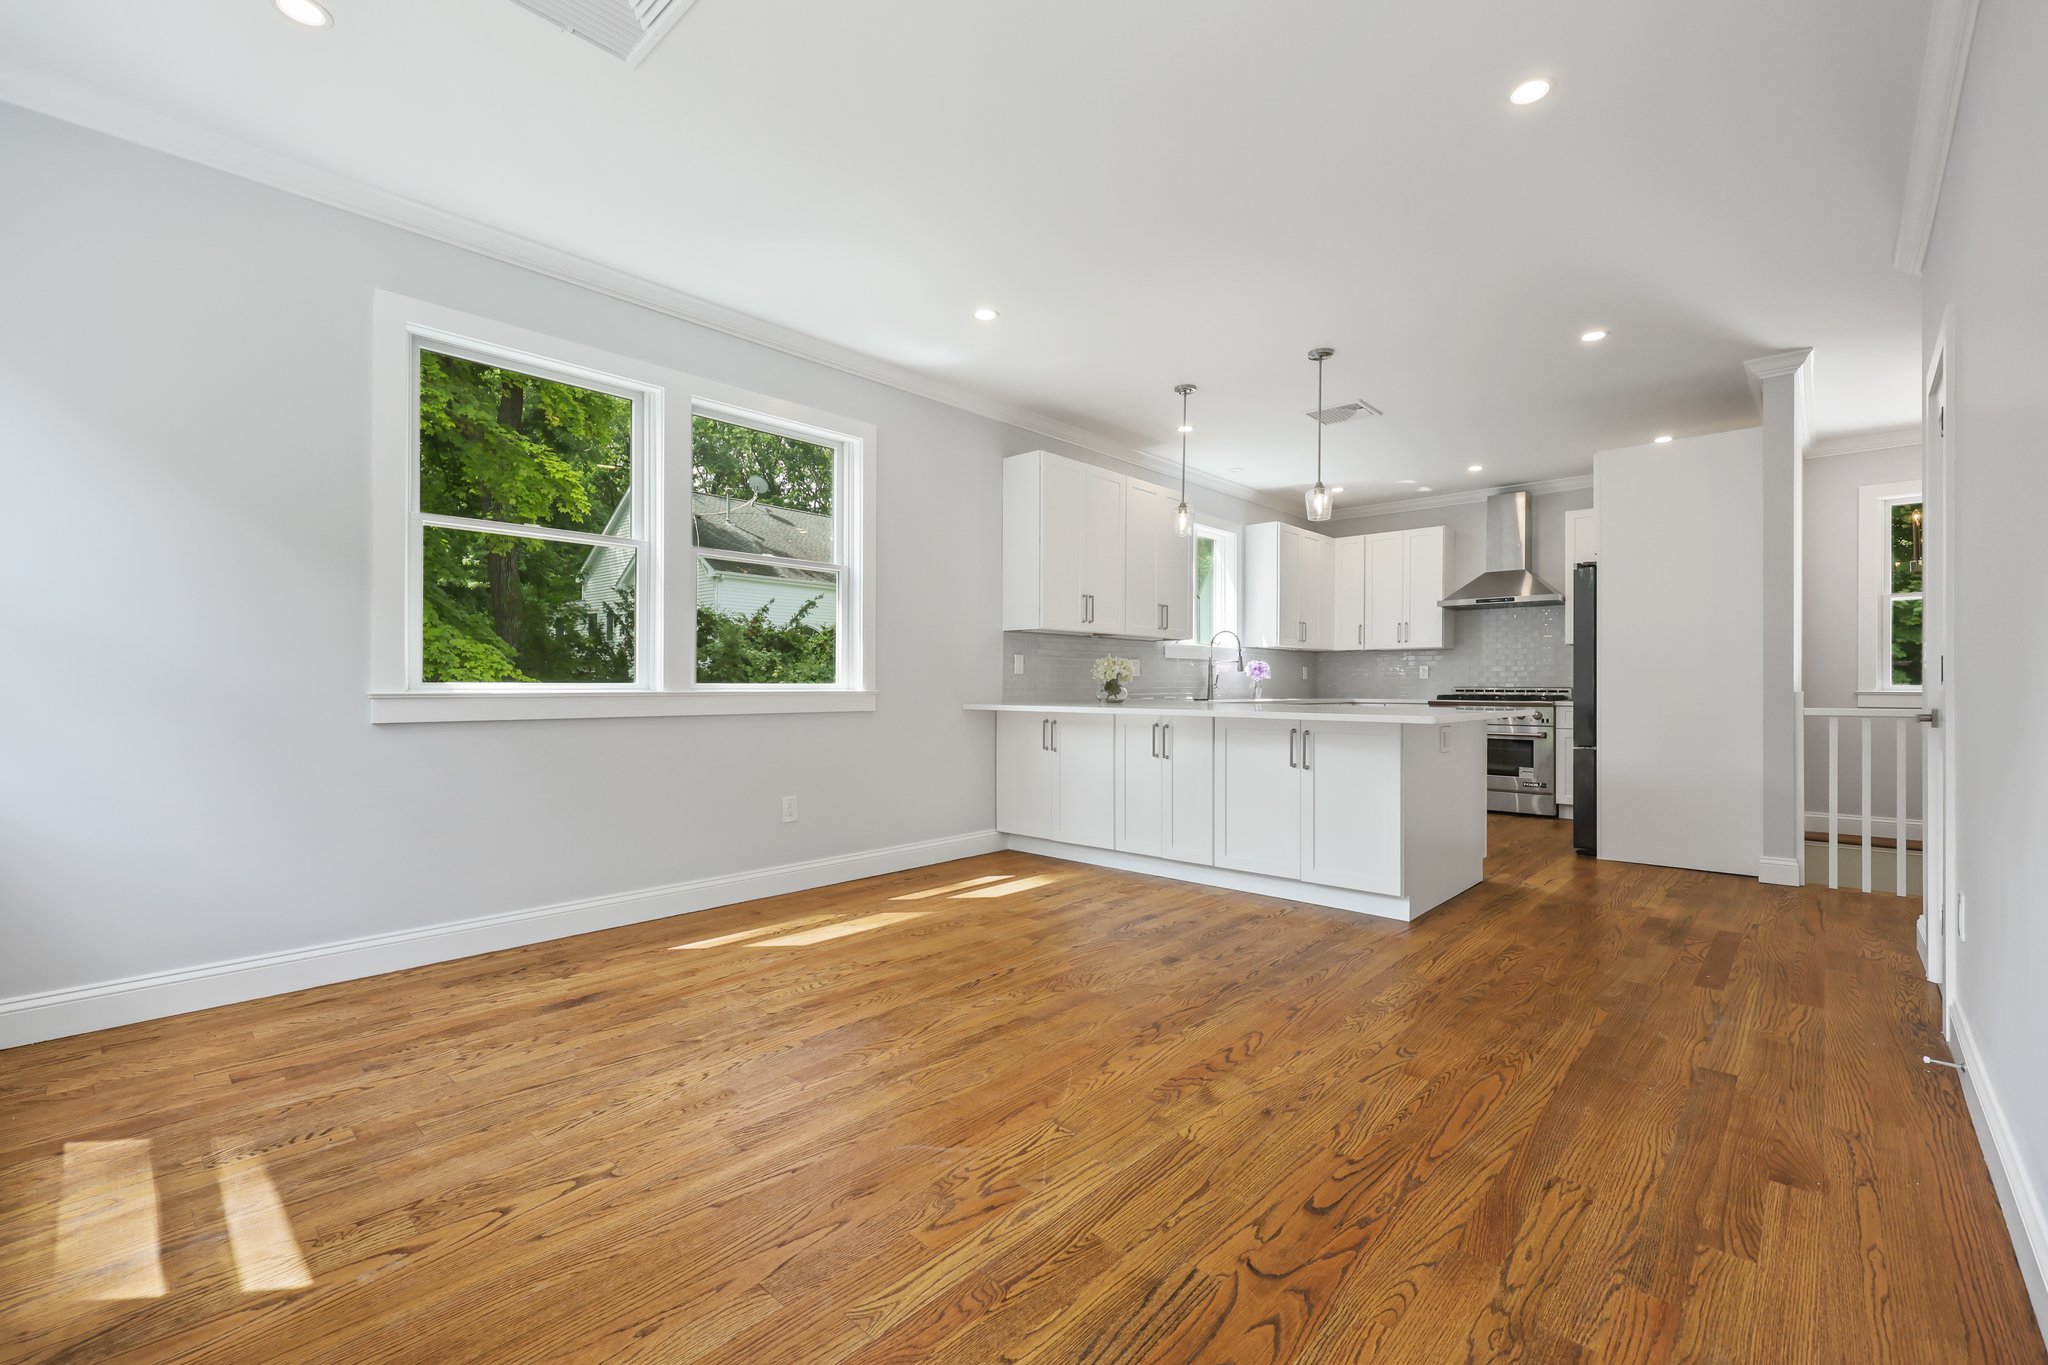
(1508, 581)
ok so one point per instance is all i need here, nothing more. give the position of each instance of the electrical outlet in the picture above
(1017, 664)
(1443, 739)
(1304, 672)
(789, 810)
(1135, 669)
(1425, 672)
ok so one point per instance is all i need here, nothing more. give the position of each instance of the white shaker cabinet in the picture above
(1347, 597)
(1159, 566)
(1406, 575)
(1581, 545)
(1350, 807)
(1258, 796)
(1288, 581)
(1063, 546)
(1165, 787)
(1056, 777)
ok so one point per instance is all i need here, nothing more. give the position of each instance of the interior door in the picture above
(1258, 797)
(1937, 859)
(1140, 785)
(1422, 553)
(1386, 592)
(1351, 807)
(1102, 549)
(1190, 789)
(1024, 774)
(1347, 600)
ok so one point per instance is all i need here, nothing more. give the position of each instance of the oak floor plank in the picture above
(1033, 1110)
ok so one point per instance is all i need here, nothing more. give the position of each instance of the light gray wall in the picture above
(1832, 571)
(189, 772)
(1988, 264)
(1496, 647)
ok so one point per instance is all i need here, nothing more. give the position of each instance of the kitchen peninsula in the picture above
(1374, 808)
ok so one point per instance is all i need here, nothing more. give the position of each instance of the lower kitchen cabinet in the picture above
(1165, 777)
(1312, 803)
(1056, 777)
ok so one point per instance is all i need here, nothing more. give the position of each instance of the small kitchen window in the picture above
(1891, 543)
(1216, 582)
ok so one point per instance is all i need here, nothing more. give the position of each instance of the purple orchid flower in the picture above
(1258, 670)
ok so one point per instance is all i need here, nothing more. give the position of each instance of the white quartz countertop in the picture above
(1280, 708)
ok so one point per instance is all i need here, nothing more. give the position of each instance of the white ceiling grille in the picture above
(628, 29)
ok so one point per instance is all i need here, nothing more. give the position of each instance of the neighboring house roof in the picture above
(760, 528)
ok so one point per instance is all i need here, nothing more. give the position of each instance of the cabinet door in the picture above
(1024, 774)
(1581, 545)
(1084, 750)
(1145, 510)
(1102, 548)
(1189, 832)
(1258, 798)
(1347, 595)
(1423, 571)
(1063, 492)
(1351, 807)
(1175, 555)
(1386, 590)
(1318, 583)
(1292, 622)
(1140, 785)
(1564, 767)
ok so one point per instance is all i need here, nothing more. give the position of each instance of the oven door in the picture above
(1521, 768)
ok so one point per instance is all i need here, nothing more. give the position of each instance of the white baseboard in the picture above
(107, 1004)
(2018, 1197)
(1779, 872)
(1881, 826)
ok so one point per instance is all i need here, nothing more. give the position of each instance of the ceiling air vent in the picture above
(1344, 412)
(628, 29)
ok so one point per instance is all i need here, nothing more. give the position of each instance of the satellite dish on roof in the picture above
(758, 484)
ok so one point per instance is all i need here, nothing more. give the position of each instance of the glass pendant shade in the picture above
(1183, 520)
(1318, 500)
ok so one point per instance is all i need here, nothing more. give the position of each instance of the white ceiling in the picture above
(1155, 191)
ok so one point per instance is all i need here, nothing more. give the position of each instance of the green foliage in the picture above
(1907, 555)
(725, 455)
(502, 446)
(753, 649)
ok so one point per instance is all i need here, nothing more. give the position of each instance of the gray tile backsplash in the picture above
(1497, 647)
(1056, 670)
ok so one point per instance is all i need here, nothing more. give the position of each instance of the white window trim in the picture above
(1873, 555)
(665, 402)
(1230, 580)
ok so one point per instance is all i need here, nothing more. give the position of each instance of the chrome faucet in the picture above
(1211, 673)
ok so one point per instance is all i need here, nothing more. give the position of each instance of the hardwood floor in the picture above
(1014, 1109)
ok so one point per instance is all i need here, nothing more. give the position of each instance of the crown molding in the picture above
(72, 103)
(1359, 512)
(1865, 442)
(1799, 366)
(1949, 30)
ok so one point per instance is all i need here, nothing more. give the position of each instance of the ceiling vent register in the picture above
(628, 29)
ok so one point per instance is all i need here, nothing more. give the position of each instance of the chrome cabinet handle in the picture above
(1304, 750)
(1166, 739)
(1155, 739)
(1292, 736)
(1045, 733)
(1361, 632)
(1055, 735)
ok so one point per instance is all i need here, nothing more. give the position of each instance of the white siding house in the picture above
(738, 587)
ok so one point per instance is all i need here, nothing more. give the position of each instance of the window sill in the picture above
(407, 708)
(1894, 700)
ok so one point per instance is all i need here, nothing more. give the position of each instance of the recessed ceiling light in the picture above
(1474, 468)
(1423, 489)
(1338, 489)
(1185, 428)
(1237, 469)
(1595, 335)
(1404, 481)
(307, 12)
(980, 314)
(1528, 92)
(1663, 440)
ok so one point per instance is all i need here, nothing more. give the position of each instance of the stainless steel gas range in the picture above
(1521, 744)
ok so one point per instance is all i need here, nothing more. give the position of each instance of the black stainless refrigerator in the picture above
(1585, 708)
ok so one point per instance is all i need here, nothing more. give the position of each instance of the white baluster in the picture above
(1866, 805)
(1899, 810)
(1834, 802)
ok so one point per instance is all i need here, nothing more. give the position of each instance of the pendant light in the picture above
(1318, 498)
(1183, 519)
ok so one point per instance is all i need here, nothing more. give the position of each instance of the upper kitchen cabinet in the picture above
(1063, 546)
(1347, 599)
(1159, 566)
(1581, 546)
(1289, 581)
(1406, 575)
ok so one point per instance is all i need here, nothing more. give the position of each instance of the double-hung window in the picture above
(563, 532)
(1891, 549)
